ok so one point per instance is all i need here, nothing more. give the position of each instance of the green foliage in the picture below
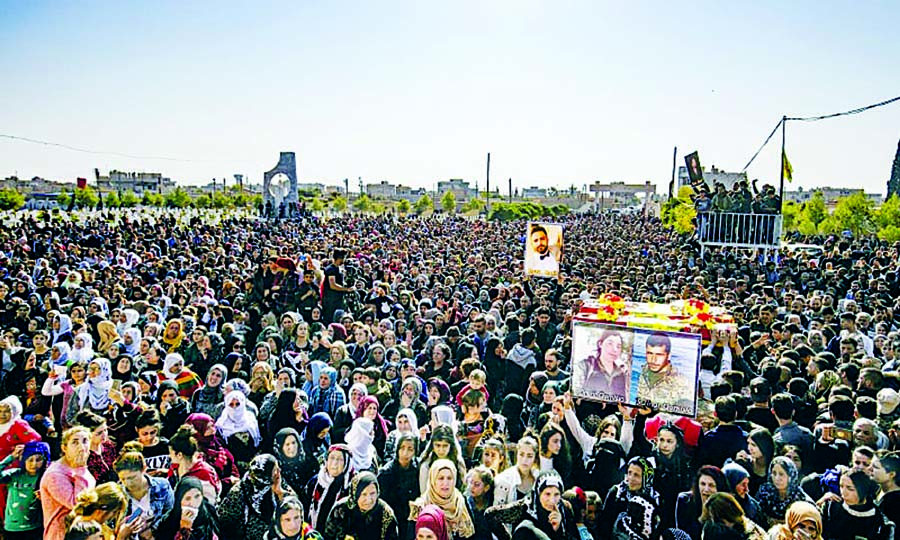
(128, 200)
(815, 211)
(177, 198)
(362, 203)
(10, 199)
(790, 212)
(86, 197)
(112, 200)
(150, 198)
(473, 205)
(854, 213)
(63, 199)
(448, 202)
(316, 205)
(308, 193)
(891, 233)
(678, 212)
(889, 213)
(339, 203)
(525, 210)
(203, 201)
(403, 207)
(424, 204)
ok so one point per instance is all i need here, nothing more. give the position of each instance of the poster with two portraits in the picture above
(543, 249)
(635, 366)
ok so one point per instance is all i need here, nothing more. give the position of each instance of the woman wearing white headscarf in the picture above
(239, 428)
(131, 319)
(132, 341)
(93, 395)
(406, 423)
(84, 348)
(62, 330)
(360, 440)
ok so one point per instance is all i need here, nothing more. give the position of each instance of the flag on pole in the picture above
(786, 165)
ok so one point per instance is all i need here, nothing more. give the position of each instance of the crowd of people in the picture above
(389, 378)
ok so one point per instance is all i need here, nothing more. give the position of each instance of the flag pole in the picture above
(781, 187)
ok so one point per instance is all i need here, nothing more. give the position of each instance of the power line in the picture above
(816, 119)
(845, 113)
(769, 138)
(110, 153)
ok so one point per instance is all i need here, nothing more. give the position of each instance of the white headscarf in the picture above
(131, 319)
(171, 360)
(411, 417)
(238, 419)
(135, 348)
(65, 326)
(360, 439)
(362, 390)
(15, 407)
(85, 353)
(95, 390)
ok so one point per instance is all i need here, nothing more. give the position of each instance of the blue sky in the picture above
(413, 92)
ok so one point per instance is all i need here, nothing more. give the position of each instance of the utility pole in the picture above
(488, 190)
(781, 161)
(672, 181)
(346, 187)
(510, 190)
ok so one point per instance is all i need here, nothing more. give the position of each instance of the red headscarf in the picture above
(432, 518)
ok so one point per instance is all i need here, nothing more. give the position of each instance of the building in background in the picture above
(459, 187)
(138, 182)
(830, 194)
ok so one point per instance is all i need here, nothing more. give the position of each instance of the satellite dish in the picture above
(279, 186)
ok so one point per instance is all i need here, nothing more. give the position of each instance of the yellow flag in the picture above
(786, 166)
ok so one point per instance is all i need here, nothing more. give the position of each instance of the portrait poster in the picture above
(695, 171)
(543, 249)
(636, 366)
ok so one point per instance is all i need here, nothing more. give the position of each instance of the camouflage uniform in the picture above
(666, 387)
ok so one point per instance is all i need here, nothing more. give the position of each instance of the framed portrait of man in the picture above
(543, 249)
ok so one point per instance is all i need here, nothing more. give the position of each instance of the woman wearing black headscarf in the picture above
(362, 515)
(513, 404)
(192, 515)
(289, 453)
(545, 510)
(289, 413)
(248, 508)
(627, 503)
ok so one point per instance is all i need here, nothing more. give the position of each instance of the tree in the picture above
(790, 212)
(63, 199)
(177, 198)
(128, 199)
(473, 205)
(403, 207)
(424, 204)
(815, 210)
(893, 187)
(853, 213)
(679, 212)
(339, 204)
(203, 201)
(448, 202)
(86, 197)
(150, 198)
(316, 205)
(362, 203)
(112, 200)
(889, 213)
(11, 199)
